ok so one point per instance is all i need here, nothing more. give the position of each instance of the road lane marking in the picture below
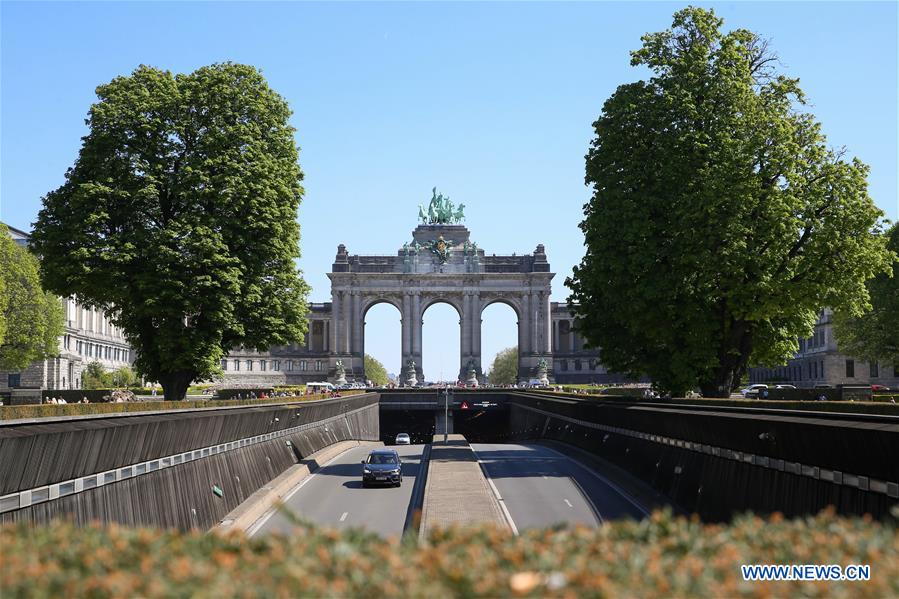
(569, 503)
(343, 517)
(499, 498)
(589, 501)
(602, 478)
(257, 526)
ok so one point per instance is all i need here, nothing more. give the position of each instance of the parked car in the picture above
(784, 386)
(384, 467)
(876, 387)
(403, 439)
(753, 390)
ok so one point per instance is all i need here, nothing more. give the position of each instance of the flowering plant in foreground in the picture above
(661, 556)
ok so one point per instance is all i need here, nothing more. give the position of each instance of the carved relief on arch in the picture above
(371, 299)
(454, 299)
(513, 300)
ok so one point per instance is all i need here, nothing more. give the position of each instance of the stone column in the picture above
(356, 315)
(555, 326)
(467, 349)
(547, 324)
(416, 334)
(405, 325)
(571, 335)
(465, 345)
(335, 322)
(525, 327)
(476, 329)
(326, 335)
(345, 304)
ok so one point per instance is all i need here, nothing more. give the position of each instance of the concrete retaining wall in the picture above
(48, 452)
(717, 464)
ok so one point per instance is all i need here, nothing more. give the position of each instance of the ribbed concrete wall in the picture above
(717, 487)
(179, 496)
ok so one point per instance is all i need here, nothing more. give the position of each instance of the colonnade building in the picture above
(88, 336)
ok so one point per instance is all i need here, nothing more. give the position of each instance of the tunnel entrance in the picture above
(482, 426)
(418, 423)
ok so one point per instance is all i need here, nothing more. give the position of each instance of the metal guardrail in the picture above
(29, 497)
(864, 483)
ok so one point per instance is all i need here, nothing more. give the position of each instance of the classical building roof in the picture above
(19, 236)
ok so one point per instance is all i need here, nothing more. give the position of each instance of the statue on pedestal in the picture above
(472, 380)
(542, 369)
(411, 378)
(339, 373)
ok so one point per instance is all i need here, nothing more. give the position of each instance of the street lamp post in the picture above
(446, 414)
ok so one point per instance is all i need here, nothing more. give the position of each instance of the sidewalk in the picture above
(457, 492)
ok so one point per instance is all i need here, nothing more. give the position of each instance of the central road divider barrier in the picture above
(457, 492)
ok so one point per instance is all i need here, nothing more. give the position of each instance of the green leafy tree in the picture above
(95, 376)
(504, 370)
(874, 336)
(123, 377)
(720, 223)
(375, 371)
(31, 319)
(179, 219)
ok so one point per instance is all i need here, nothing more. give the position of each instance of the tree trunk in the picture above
(732, 360)
(175, 384)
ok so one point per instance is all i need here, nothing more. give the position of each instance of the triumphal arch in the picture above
(440, 263)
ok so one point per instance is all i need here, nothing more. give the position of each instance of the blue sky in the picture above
(490, 102)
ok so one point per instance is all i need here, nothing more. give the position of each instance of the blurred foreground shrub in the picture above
(662, 556)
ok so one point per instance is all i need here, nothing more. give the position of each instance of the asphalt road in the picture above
(333, 496)
(541, 487)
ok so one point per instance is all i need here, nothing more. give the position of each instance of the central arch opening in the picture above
(381, 341)
(440, 343)
(500, 344)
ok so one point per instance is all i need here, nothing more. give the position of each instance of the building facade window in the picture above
(318, 365)
(276, 365)
(224, 364)
(249, 365)
(290, 365)
(236, 364)
(13, 380)
(262, 365)
(850, 369)
(875, 370)
(303, 365)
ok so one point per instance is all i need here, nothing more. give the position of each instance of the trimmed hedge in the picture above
(661, 556)
(76, 409)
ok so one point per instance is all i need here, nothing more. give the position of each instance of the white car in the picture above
(753, 390)
(403, 439)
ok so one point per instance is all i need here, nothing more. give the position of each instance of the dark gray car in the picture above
(382, 467)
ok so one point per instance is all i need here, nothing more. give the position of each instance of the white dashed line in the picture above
(569, 503)
(343, 517)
